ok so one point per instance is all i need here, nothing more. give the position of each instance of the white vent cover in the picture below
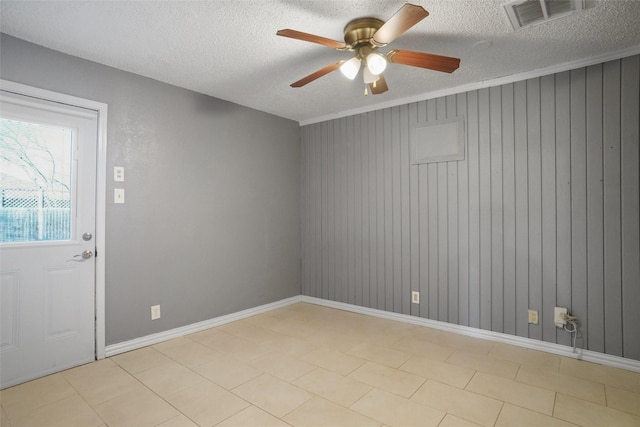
(524, 13)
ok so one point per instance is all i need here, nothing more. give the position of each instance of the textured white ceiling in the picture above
(228, 49)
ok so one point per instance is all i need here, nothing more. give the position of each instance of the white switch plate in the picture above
(118, 195)
(118, 173)
(155, 312)
(533, 316)
(415, 297)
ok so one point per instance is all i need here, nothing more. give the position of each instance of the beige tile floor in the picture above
(307, 365)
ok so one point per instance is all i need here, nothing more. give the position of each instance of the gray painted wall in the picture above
(211, 220)
(543, 211)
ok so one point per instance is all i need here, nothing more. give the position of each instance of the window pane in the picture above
(35, 181)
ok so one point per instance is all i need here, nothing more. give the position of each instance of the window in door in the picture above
(35, 181)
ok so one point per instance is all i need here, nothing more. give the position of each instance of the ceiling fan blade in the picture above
(321, 72)
(379, 86)
(445, 64)
(405, 18)
(299, 35)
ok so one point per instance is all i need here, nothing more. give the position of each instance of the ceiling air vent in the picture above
(524, 13)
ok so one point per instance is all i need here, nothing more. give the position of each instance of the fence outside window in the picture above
(34, 215)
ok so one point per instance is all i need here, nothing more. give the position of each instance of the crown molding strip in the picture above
(609, 56)
(558, 349)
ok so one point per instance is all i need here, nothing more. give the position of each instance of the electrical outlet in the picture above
(558, 316)
(533, 316)
(155, 312)
(415, 297)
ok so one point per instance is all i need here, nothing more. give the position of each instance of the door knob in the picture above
(84, 255)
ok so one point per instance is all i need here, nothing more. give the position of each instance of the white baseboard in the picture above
(123, 347)
(561, 350)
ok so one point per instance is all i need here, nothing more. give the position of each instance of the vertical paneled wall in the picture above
(543, 211)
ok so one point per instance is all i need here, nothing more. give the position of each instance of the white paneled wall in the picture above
(543, 211)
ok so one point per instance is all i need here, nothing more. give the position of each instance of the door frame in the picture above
(101, 191)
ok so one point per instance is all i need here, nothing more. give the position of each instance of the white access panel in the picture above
(438, 141)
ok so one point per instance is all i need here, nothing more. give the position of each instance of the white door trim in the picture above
(101, 189)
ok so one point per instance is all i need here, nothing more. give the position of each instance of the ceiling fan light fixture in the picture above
(364, 36)
(376, 63)
(350, 68)
(369, 77)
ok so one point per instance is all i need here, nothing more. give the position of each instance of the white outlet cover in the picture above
(155, 312)
(415, 297)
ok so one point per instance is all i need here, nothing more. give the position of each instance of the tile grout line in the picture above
(203, 378)
(83, 398)
(156, 394)
(499, 413)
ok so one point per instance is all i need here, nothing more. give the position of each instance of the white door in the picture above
(47, 237)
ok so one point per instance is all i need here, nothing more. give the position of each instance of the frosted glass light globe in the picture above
(350, 68)
(369, 77)
(376, 63)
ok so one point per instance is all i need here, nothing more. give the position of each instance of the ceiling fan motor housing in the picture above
(359, 32)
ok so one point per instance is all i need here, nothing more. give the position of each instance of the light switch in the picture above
(118, 173)
(118, 195)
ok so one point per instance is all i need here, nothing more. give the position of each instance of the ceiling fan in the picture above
(364, 36)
